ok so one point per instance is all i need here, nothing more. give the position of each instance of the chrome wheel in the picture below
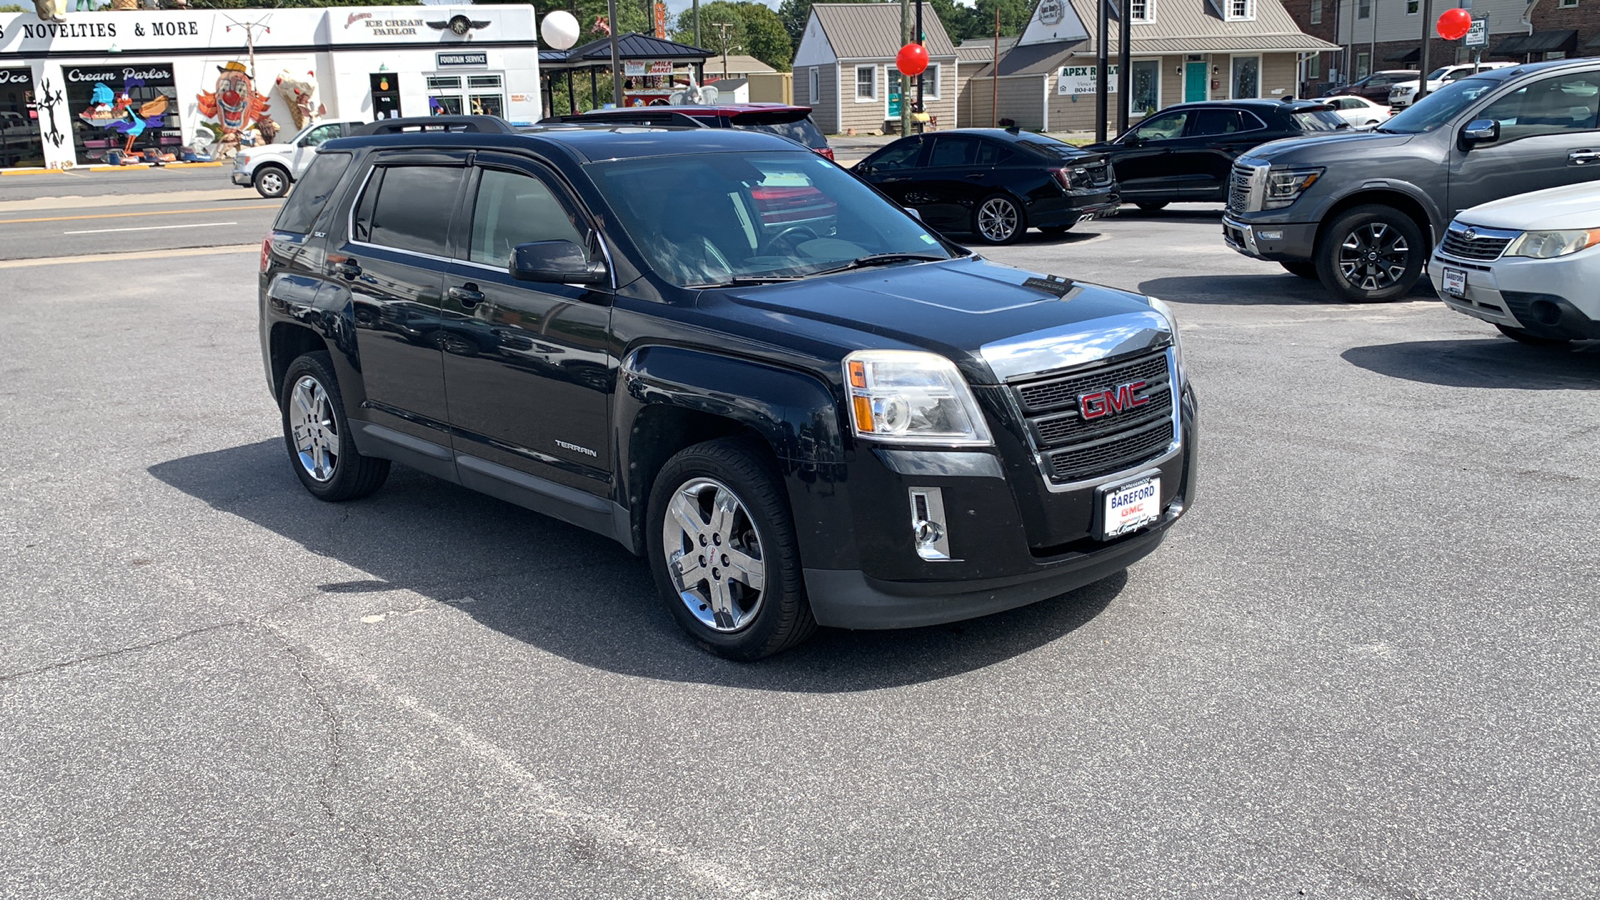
(271, 183)
(714, 556)
(1374, 256)
(997, 220)
(313, 429)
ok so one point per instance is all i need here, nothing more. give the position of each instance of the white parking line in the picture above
(150, 228)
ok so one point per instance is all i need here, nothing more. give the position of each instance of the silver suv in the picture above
(1360, 211)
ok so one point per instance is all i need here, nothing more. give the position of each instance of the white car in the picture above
(1404, 94)
(1526, 264)
(1360, 112)
(271, 168)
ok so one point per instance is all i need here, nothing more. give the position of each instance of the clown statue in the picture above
(234, 105)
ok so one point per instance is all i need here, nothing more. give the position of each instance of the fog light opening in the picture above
(1545, 313)
(930, 533)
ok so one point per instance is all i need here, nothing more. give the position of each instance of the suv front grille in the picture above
(1481, 244)
(1239, 190)
(1073, 448)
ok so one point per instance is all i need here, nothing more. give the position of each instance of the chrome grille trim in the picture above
(1474, 243)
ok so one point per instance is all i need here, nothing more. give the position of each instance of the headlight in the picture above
(1161, 306)
(241, 160)
(1284, 186)
(1402, 91)
(1550, 244)
(912, 397)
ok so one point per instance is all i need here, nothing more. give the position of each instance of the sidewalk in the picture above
(132, 167)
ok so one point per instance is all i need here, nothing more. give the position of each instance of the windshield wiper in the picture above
(746, 281)
(881, 259)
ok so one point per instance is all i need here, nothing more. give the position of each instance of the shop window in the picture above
(1412, 7)
(1246, 77)
(409, 208)
(1314, 67)
(514, 209)
(21, 139)
(1363, 9)
(132, 105)
(1144, 95)
(930, 82)
(1363, 65)
(444, 83)
(1316, 12)
(866, 83)
(1567, 4)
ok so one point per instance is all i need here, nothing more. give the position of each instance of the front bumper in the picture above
(1553, 298)
(241, 178)
(996, 522)
(1275, 241)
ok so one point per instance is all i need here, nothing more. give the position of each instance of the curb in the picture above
(171, 165)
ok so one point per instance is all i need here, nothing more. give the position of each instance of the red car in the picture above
(792, 122)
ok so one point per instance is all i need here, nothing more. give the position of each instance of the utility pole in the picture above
(994, 74)
(250, 38)
(697, 23)
(1124, 66)
(1102, 58)
(900, 79)
(921, 39)
(722, 29)
(616, 61)
(1427, 35)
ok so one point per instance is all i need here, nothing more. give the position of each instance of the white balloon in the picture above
(559, 30)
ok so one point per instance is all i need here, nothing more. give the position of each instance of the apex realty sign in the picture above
(1077, 80)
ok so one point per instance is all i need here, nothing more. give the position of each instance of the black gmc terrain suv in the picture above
(730, 355)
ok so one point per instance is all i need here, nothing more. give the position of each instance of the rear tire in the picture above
(1302, 268)
(722, 547)
(1532, 340)
(318, 436)
(1371, 254)
(999, 219)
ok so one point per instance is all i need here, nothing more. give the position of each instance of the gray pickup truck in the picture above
(1362, 211)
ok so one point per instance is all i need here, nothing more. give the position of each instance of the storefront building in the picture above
(73, 92)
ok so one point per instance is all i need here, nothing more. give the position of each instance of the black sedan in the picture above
(993, 183)
(1184, 153)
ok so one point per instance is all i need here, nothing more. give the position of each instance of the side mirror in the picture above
(1480, 131)
(863, 169)
(1132, 140)
(556, 262)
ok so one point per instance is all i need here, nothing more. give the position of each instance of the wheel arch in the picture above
(670, 398)
(1414, 208)
(287, 342)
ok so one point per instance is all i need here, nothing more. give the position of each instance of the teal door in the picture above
(1194, 82)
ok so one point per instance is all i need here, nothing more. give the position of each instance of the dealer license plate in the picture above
(1455, 282)
(1130, 507)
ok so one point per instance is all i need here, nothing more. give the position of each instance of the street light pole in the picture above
(1102, 58)
(920, 40)
(616, 60)
(1124, 65)
(1427, 33)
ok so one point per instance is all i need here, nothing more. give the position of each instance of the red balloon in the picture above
(1454, 24)
(912, 60)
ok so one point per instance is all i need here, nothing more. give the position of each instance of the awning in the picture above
(1410, 56)
(1538, 42)
(632, 47)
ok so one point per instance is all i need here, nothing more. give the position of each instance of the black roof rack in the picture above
(459, 124)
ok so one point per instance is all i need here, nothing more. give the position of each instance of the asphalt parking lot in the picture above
(1364, 666)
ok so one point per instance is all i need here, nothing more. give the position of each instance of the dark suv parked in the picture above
(846, 422)
(792, 122)
(1361, 211)
(1183, 154)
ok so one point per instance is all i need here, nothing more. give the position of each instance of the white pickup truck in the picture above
(271, 168)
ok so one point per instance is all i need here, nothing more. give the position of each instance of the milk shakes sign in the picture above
(1076, 80)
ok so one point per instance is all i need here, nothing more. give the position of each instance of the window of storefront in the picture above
(128, 105)
(1246, 77)
(1144, 95)
(21, 141)
(930, 82)
(1363, 65)
(485, 95)
(444, 95)
(1316, 12)
(866, 83)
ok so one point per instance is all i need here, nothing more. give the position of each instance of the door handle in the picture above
(347, 269)
(467, 295)
(975, 176)
(1582, 157)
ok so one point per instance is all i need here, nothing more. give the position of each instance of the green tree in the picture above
(753, 29)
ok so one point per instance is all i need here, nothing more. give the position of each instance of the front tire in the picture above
(318, 435)
(723, 550)
(271, 182)
(1371, 254)
(999, 220)
(1531, 339)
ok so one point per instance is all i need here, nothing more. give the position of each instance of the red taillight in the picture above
(825, 151)
(1063, 177)
(266, 253)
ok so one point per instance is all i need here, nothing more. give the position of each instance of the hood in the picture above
(985, 317)
(1325, 148)
(264, 149)
(1574, 207)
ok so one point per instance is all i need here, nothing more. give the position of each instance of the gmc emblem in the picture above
(1112, 400)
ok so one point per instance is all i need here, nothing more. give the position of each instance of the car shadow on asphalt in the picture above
(1488, 362)
(1265, 289)
(576, 594)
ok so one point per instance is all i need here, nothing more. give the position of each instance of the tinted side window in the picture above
(1565, 103)
(899, 155)
(311, 192)
(1162, 128)
(1215, 121)
(321, 134)
(412, 208)
(993, 153)
(511, 209)
(954, 151)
